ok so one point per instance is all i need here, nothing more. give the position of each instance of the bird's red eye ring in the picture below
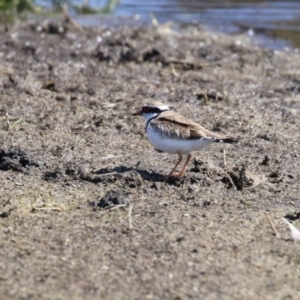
(146, 109)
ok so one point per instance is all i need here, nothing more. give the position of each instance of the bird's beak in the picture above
(138, 113)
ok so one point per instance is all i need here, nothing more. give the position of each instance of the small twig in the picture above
(174, 72)
(272, 225)
(113, 207)
(206, 97)
(47, 208)
(230, 179)
(224, 157)
(104, 174)
(129, 216)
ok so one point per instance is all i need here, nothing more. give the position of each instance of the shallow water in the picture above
(275, 23)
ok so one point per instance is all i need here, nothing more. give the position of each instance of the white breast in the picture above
(170, 145)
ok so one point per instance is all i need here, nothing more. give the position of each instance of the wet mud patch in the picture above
(19, 160)
(118, 176)
(240, 178)
(208, 174)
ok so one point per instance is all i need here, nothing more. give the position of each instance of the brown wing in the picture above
(173, 125)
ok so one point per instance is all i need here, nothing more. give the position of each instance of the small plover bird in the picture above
(173, 133)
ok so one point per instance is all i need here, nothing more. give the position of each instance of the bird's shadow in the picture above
(148, 176)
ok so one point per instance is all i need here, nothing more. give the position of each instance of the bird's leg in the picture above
(184, 166)
(178, 162)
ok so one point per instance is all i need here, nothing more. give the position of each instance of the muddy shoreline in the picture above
(84, 212)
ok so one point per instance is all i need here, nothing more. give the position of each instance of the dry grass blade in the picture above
(130, 216)
(206, 97)
(224, 157)
(106, 174)
(15, 124)
(230, 180)
(69, 19)
(272, 226)
(154, 20)
(113, 207)
(174, 72)
(53, 206)
(47, 208)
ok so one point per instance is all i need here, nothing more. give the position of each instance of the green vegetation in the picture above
(11, 10)
(86, 9)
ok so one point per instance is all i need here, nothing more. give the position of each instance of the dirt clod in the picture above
(113, 197)
(17, 159)
(241, 178)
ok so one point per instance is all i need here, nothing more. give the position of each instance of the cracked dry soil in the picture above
(84, 213)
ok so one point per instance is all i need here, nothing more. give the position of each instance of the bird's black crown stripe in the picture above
(149, 109)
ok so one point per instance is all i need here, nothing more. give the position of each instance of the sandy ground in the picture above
(84, 213)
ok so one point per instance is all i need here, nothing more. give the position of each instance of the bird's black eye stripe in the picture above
(148, 109)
